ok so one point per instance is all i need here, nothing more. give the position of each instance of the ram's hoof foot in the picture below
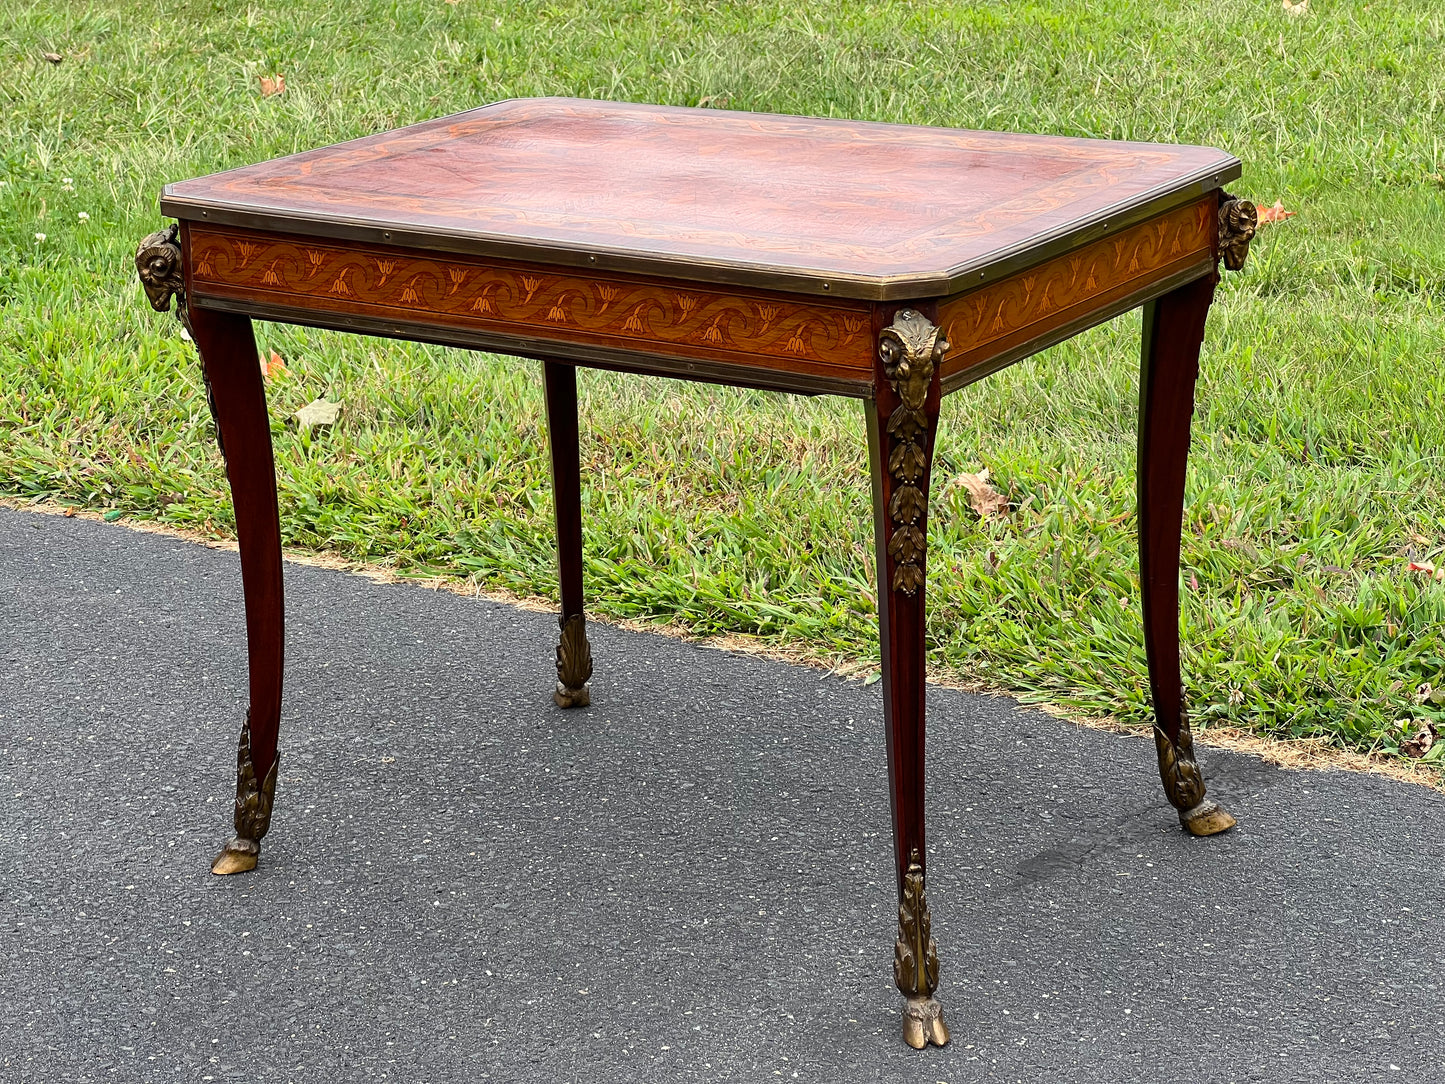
(572, 698)
(923, 1023)
(238, 856)
(1206, 819)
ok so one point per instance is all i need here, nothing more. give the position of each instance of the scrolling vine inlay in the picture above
(547, 301)
(1049, 294)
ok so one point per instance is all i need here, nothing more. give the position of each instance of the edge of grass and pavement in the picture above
(1316, 499)
(1308, 754)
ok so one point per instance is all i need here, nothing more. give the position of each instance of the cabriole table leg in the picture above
(574, 653)
(901, 424)
(237, 400)
(1173, 334)
(228, 351)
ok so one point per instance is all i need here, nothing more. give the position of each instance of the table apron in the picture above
(676, 329)
(1051, 335)
(595, 357)
(722, 335)
(999, 323)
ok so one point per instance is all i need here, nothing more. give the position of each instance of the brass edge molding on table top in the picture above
(534, 300)
(716, 274)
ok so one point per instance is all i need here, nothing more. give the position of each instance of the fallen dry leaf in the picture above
(713, 101)
(982, 497)
(54, 58)
(1298, 9)
(1277, 213)
(1418, 743)
(318, 412)
(273, 85)
(69, 512)
(273, 366)
(1427, 568)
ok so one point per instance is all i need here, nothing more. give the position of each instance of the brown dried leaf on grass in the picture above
(982, 497)
(316, 413)
(272, 85)
(1419, 743)
(54, 58)
(1297, 9)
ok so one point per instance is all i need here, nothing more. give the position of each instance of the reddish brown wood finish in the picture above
(900, 623)
(1173, 335)
(820, 206)
(580, 232)
(228, 351)
(561, 388)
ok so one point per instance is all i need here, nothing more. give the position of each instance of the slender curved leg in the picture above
(228, 352)
(574, 653)
(901, 424)
(1173, 334)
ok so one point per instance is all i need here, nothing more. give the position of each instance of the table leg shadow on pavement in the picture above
(689, 881)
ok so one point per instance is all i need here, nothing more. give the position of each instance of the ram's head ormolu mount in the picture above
(1238, 221)
(158, 262)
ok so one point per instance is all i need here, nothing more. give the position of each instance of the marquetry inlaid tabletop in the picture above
(846, 208)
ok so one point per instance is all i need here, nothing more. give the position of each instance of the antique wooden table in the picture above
(889, 263)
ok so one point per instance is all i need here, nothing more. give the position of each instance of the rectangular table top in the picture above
(847, 209)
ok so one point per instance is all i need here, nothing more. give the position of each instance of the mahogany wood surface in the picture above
(837, 207)
(1173, 335)
(560, 381)
(900, 623)
(228, 351)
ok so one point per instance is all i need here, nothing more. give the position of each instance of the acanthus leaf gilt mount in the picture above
(915, 962)
(254, 802)
(574, 664)
(911, 349)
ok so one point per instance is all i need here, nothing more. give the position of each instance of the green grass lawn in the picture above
(1316, 469)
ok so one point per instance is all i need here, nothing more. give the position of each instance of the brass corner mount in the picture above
(158, 263)
(1238, 222)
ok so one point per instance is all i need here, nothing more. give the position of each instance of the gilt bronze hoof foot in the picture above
(238, 856)
(572, 698)
(1206, 819)
(923, 1023)
(574, 664)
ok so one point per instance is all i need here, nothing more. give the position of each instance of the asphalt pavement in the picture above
(689, 881)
